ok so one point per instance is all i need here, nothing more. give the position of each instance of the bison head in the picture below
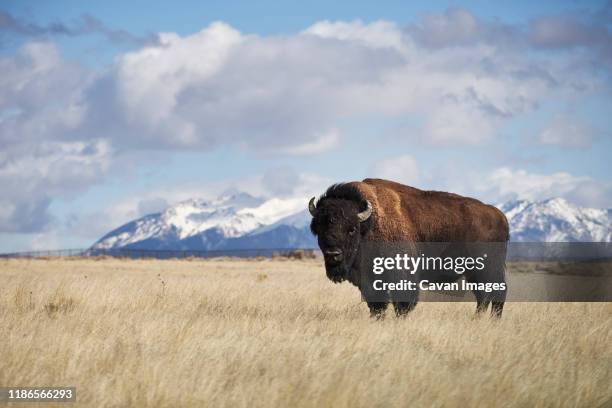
(339, 225)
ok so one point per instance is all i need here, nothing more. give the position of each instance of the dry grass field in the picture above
(262, 333)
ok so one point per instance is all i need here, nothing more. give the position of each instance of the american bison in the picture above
(375, 210)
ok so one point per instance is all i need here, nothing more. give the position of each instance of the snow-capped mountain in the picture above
(228, 222)
(240, 221)
(557, 220)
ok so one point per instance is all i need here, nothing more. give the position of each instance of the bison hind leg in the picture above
(377, 310)
(403, 308)
(497, 308)
(482, 304)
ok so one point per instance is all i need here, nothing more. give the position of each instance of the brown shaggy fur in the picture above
(402, 213)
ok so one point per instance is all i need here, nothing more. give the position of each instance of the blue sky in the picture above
(109, 111)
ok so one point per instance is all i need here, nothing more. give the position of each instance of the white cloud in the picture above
(519, 183)
(378, 34)
(56, 164)
(152, 205)
(563, 131)
(454, 27)
(151, 80)
(268, 94)
(40, 95)
(280, 181)
(402, 169)
(451, 125)
(506, 183)
(320, 143)
(284, 94)
(40, 105)
(281, 94)
(592, 193)
(31, 178)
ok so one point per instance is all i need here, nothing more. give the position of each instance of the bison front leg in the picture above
(498, 272)
(495, 274)
(484, 299)
(377, 310)
(496, 308)
(403, 308)
(482, 302)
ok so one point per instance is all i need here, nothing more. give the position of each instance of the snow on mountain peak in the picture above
(557, 220)
(231, 215)
(193, 216)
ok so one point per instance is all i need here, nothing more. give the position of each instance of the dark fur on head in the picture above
(336, 226)
(344, 191)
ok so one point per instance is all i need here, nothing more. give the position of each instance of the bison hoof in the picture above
(377, 315)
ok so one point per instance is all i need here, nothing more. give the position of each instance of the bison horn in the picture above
(311, 207)
(365, 214)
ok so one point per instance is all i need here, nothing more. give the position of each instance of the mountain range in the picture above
(233, 221)
(241, 221)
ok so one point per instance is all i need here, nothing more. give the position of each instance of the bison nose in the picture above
(334, 255)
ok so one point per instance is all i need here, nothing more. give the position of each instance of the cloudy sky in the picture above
(115, 110)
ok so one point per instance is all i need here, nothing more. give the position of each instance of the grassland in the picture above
(278, 333)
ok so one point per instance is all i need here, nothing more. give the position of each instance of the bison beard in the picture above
(337, 273)
(385, 211)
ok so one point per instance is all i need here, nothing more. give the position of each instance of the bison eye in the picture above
(353, 230)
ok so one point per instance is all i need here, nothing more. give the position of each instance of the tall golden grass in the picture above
(277, 333)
